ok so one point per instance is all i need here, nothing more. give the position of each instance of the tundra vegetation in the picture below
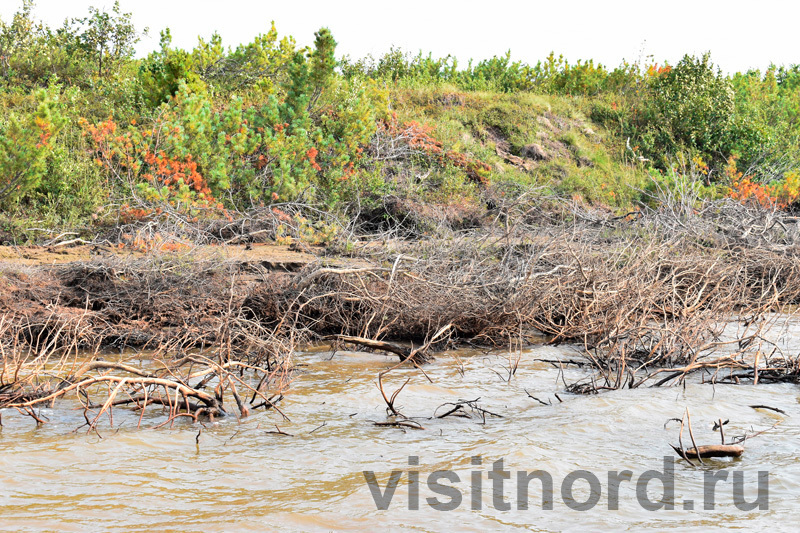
(644, 212)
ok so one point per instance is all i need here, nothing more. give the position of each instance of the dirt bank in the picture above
(650, 297)
(98, 294)
(268, 255)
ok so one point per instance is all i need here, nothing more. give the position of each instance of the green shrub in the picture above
(25, 142)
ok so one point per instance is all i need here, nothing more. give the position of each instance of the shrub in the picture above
(25, 142)
(694, 106)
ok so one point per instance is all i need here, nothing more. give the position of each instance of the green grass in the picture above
(587, 161)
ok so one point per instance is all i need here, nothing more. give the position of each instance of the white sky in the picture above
(740, 35)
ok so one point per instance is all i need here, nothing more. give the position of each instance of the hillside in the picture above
(102, 144)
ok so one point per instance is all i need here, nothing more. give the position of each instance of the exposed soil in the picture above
(85, 293)
(543, 148)
(287, 257)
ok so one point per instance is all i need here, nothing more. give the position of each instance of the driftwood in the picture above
(769, 408)
(400, 424)
(415, 355)
(734, 448)
(401, 351)
(712, 450)
(701, 452)
(245, 360)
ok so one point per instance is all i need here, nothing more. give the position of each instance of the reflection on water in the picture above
(240, 477)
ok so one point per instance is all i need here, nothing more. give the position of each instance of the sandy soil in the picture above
(269, 255)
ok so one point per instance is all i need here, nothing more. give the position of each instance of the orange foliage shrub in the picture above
(135, 158)
(780, 194)
(418, 137)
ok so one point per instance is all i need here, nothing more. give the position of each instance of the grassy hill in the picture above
(93, 137)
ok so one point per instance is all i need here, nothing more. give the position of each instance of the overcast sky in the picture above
(739, 35)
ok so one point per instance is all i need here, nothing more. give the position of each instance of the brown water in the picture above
(238, 477)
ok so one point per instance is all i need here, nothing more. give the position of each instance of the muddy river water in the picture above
(236, 476)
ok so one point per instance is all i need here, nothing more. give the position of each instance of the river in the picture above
(236, 476)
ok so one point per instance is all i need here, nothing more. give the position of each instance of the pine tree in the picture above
(323, 61)
(295, 108)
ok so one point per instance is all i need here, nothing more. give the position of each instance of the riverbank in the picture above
(652, 298)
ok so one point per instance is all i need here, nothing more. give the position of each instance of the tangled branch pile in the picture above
(194, 348)
(652, 296)
(640, 293)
